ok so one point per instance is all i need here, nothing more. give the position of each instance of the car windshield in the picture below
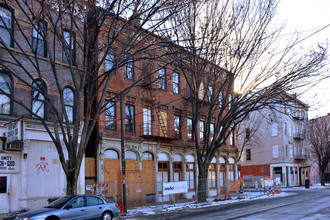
(59, 203)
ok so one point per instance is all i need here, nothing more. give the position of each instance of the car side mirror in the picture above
(68, 207)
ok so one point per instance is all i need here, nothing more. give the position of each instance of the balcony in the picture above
(300, 157)
(154, 131)
(298, 136)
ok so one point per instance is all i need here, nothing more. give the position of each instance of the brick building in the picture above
(157, 123)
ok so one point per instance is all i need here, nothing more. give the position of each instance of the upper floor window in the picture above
(248, 154)
(220, 99)
(275, 151)
(110, 116)
(189, 128)
(38, 38)
(130, 118)
(177, 126)
(129, 67)
(210, 93)
(162, 78)
(230, 98)
(274, 129)
(68, 97)
(201, 130)
(211, 131)
(69, 48)
(38, 99)
(109, 61)
(5, 93)
(232, 136)
(6, 26)
(176, 83)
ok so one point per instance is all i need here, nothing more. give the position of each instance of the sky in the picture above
(308, 16)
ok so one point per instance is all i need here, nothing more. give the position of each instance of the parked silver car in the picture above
(74, 207)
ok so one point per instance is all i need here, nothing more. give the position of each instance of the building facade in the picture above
(156, 119)
(273, 144)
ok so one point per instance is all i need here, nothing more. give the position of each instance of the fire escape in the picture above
(158, 130)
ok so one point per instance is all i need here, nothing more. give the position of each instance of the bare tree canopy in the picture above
(75, 50)
(319, 138)
(234, 61)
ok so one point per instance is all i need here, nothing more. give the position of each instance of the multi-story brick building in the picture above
(277, 147)
(157, 124)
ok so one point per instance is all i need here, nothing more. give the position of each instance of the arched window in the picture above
(130, 155)
(68, 97)
(6, 26)
(5, 93)
(38, 100)
(147, 156)
(111, 154)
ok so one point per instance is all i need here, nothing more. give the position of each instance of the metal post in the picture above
(123, 162)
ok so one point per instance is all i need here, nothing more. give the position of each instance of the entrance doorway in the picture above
(4, 194)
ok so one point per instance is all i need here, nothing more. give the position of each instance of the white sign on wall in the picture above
(9, 163)
(14, 131)
(175, 187)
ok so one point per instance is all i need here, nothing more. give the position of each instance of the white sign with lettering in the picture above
(14, 131)
(175, 187)
(9, 163)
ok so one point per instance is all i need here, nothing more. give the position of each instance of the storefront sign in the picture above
(14, 131)
(9, 163)
(175, 187)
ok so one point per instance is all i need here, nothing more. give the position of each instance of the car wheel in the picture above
(52, 218)
(106, 216)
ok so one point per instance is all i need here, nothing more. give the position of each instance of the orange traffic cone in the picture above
(229, 195)
(267, 190)
(279, 189)
(122, 207)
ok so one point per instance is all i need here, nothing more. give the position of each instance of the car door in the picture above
(75, 209)
(94, 207)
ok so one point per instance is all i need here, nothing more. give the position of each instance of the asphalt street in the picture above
(302, 204)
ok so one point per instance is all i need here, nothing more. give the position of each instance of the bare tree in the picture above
(76, 48)
(230, 56)
(318, 136)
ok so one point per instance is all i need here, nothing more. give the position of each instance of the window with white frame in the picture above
(290, 150)
(232, 136)
(229, 100)
(275, 151)
(274, 129)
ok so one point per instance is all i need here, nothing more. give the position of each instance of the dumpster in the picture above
(307, 183)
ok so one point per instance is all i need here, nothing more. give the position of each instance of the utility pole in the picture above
(123, 161)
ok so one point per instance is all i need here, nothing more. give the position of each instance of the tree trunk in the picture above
(322, 178)
(202, 185)
(71, 183)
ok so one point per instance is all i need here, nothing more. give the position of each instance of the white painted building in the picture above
(30, 172)
(277, 144)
